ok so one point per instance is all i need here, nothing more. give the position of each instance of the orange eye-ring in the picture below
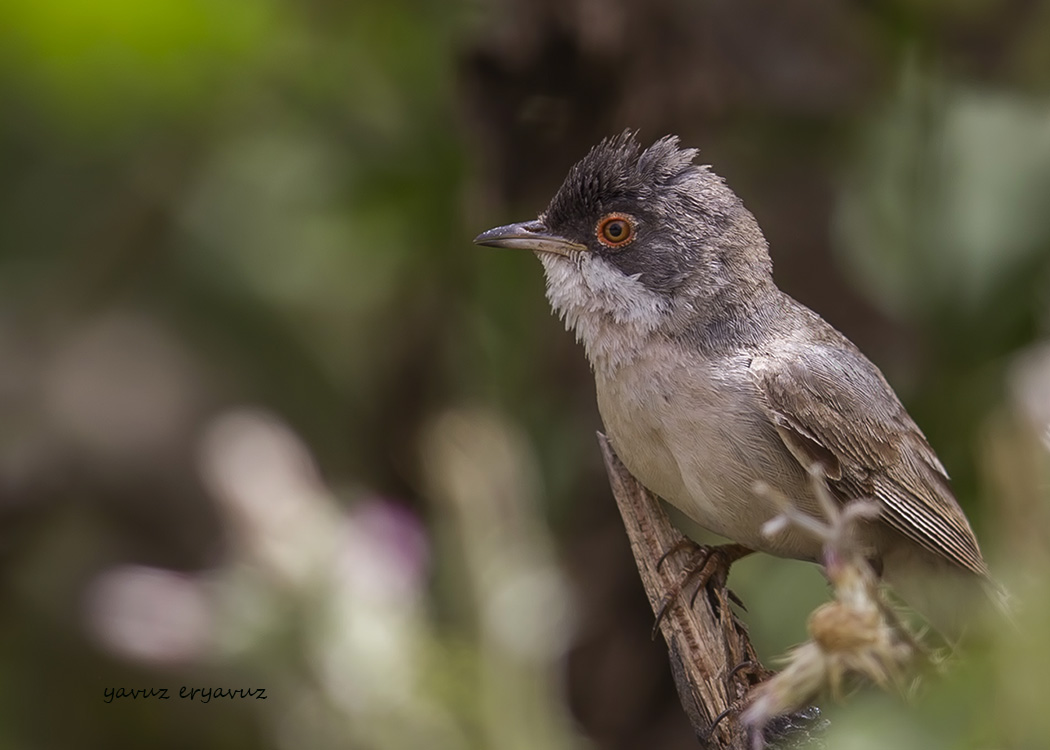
(615, 230)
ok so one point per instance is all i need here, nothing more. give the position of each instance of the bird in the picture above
(711, 381)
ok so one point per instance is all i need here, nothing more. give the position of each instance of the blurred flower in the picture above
(151, 614)
(384, 553)
(481, 468)
(350, 582)
(1015, 461)
(267, 481)
(367, 644)
(1030, 387)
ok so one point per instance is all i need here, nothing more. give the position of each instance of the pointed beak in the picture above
(529, 235)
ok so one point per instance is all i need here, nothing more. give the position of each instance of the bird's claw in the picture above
(751, 670)
(708, 566)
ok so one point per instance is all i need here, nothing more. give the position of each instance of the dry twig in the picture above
(712, 660)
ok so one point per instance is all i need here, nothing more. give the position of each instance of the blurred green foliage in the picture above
(269, 419)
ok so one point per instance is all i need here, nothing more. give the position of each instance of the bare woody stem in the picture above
(705, 642)
(702, 656)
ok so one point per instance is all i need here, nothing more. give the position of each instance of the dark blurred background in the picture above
(270, 420)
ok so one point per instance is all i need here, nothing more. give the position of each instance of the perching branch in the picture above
(706, 642)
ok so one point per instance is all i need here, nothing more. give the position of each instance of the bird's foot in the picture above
(709, 567)
(750, 672)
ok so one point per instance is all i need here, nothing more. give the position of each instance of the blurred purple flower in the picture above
(384, 551)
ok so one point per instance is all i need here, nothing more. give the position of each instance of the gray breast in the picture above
(695, 433)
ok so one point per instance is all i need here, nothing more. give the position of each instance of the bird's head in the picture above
(640, 241)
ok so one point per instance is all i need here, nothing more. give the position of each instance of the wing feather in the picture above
(832, 406)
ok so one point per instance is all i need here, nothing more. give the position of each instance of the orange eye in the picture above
(615, 230)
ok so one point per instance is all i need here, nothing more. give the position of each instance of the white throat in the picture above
(612, 315)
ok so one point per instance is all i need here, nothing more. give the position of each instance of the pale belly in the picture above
(697, 437)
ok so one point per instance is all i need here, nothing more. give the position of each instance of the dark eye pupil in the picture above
(615, 231)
